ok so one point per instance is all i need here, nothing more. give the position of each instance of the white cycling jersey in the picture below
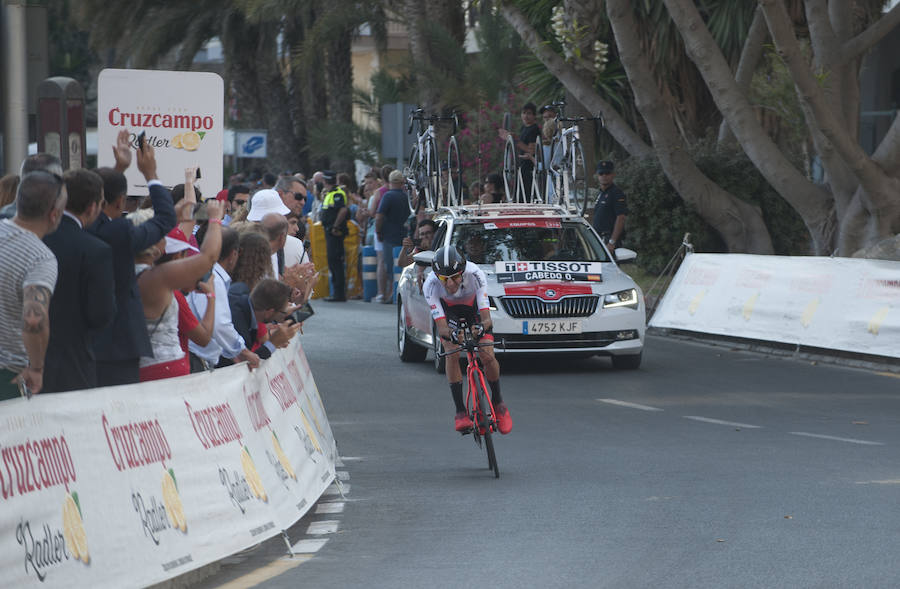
(471, 296)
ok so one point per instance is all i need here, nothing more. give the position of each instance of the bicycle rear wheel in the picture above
(454, 171)
(578, 182)
(539, 178)
(433, 194)
(510, 168)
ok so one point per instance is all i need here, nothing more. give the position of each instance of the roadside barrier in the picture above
(369, 273)
(319, 256)
(134, 485)
(847, 304)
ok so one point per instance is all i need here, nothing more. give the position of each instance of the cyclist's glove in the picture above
(478, 330)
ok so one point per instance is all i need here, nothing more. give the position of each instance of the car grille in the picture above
(597, 339)
(571, 306)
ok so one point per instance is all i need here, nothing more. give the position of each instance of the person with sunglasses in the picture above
(455, 290)
(610, 210)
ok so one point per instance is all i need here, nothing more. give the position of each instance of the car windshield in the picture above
(486, 243)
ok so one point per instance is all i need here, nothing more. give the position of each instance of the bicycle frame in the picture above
(424, 165)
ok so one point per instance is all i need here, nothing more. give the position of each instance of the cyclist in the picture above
(455, 291)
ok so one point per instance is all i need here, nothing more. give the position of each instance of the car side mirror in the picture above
(424, 258)
(625, 255)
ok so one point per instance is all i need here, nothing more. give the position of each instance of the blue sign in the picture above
(251, 143)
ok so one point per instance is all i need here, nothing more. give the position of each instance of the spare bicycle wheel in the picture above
(454, 175)
(510, 168)
(539, 175)
(578, 184)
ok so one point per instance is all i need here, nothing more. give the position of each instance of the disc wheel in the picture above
(579, 180)
(539, 177)
(409, 350)
(510, 169)
(454, 171)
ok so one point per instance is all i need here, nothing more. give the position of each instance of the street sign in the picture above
(251, 143)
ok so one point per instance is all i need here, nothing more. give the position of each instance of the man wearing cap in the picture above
(610, 209)
(334, 221)
(393, 210)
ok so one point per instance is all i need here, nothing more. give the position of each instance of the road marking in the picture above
(342, 475)
(262, 574)
(329, 526)
(629, 405)
(891, 374)
(720, 422)
(334, 489)
(885, 482)
(837, 439)
(331, 507)
(308, 546)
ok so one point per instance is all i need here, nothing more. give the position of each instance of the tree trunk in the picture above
(339, 80)
(740, 224)
(419, 55)
(282, 147)
(813, 203)
(750, 56)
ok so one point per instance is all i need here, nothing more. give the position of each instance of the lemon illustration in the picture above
(252, 475)
(315, 419)
(176, 141)
(172, 502)
(190, 140)
(282, 457)
(309, 430)
(73, 530)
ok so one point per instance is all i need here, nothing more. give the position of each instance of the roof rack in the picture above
(505, 210)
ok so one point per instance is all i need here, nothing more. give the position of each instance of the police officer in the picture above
(334, 220)
(610, 209)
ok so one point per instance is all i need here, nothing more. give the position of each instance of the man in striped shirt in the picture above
(28, 273)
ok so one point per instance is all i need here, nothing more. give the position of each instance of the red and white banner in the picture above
(846, 304)
(132, 485)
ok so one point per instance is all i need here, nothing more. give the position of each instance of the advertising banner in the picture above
(845, 304)
(181, 115)
(129, 486)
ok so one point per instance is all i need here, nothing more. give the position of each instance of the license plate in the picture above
(550, 327)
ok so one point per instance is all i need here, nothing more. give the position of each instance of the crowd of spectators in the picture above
(101, 288)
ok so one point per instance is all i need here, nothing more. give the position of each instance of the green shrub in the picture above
(658, 218)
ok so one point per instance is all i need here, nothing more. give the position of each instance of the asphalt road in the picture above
(708, 467)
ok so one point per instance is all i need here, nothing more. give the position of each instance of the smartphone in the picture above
(201, 214)
(205, 276)
(198, 174)
(141, 140)
(23, 389)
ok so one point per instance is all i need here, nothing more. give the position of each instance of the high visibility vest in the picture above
(328, 201)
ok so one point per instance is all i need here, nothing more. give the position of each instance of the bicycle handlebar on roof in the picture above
(419, 115)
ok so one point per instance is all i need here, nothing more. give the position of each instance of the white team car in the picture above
(552, 285)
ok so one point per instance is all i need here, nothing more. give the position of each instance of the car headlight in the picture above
(623, 298)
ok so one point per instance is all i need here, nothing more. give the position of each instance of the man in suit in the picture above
(267, 303)
(119, 346)
(83, 300)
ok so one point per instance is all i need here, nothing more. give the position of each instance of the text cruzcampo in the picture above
(214, 425)
(282, 390)
(136, 444)
(34, 465)
(258, 416)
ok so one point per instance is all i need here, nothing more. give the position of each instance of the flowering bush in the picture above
(480, 146)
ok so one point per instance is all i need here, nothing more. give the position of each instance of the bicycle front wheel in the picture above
(413, 177)
(454, 172)
(578, 181)
(510, 169)
(483, 423)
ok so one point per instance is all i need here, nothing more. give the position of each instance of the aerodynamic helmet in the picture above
(448, 261)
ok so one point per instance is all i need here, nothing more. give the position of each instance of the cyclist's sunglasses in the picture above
(443, 278)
